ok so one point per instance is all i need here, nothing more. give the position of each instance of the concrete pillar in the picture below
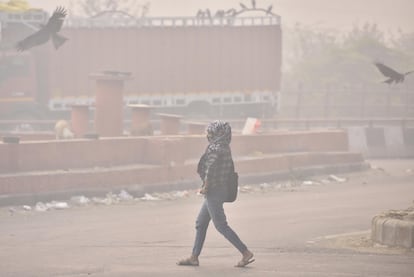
(140, 120)
(109, 103)
(80, 119)
(170, 124)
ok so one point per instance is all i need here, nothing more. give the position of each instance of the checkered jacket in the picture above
(215, 167)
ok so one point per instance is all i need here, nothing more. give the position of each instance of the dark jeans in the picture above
(212, 209)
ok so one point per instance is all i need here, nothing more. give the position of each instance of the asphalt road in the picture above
(300, 230)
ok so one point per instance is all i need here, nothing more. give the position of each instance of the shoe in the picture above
(247, 259)
(189, 262)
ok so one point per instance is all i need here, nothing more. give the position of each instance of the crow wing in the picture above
(58, 40)
(53, 25)
(387, 71)
(40, 37)
(55, 22)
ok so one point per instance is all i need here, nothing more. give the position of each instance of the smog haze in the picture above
(390, 15)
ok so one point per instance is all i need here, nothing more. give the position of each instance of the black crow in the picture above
(393, 76)
(208, 13)
(231, 12)
(269, 10)
(50, 30)
(220, 13)
(200, 14)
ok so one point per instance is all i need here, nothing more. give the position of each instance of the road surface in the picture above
(294, 230)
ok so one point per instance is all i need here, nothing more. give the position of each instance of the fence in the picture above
(360, 104)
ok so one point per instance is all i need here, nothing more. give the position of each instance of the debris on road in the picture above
(40, 207)
(310, 183)
(108, 200)
(265, 186)
(325, 181)
(12, 210)
(245, 189)
(54, 205)
(181, 194)
(80, 200)
(124, 196)
(337, 179)
(57, 205)
(149, 197)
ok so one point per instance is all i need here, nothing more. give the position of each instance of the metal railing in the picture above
(29, 17)
(171, 21)
(9, 126)
(334, 123)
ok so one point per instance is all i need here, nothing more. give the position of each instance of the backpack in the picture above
(232, 186)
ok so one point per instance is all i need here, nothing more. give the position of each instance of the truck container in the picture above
(185, 65)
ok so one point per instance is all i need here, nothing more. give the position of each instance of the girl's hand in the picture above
(203, 189)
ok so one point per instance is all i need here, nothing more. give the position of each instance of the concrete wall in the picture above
(151, 176)
(107, 152)
(87, 165)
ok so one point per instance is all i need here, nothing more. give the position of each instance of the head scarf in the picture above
(218, 135)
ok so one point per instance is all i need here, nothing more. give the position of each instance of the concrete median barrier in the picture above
(140, 178)
(392, 231)
(382, 142)
(81, 165)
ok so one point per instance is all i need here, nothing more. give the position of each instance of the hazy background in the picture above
(328, 46)
(342, 14)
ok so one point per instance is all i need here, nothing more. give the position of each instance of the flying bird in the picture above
(269, 10)
(393, 76)
(47, 32)
(231, 12)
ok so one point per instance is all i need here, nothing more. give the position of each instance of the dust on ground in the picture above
(380, 171)
(360, 242)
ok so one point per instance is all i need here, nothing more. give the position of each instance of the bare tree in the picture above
(91, 8)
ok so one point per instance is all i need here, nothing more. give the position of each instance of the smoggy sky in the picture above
(342, 14)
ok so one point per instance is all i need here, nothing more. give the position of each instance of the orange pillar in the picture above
(170, 124)
(109, 103)
(140, 120)
(80, 120)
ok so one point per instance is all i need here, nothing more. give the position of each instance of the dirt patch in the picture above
(361, 242)
(406, 215)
